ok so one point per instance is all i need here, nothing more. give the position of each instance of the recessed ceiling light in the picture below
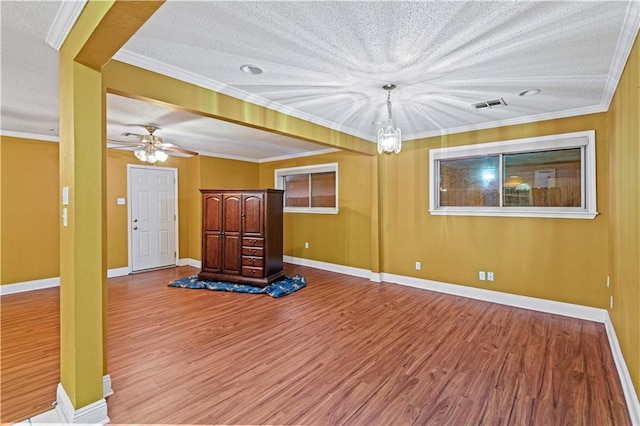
(530, 92)
(251, 69)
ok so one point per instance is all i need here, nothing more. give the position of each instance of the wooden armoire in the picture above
(242, 235)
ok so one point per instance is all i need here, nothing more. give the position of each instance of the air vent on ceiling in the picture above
(493, 103)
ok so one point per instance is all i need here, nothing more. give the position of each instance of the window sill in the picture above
(515, 213)
(310, 210)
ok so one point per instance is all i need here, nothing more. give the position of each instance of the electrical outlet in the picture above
(490, 276)
(608, 281)
(418, 266)
(481, 275)
(306, 244)
(611, 302)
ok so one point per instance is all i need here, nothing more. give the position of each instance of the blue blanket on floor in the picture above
(279, 288)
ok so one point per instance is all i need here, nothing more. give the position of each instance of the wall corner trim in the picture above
(107, 390)
(630, 395)
(94, 413)
(118, 272)
(190, 262)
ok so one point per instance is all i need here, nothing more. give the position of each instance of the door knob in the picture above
(135, 228)
(135, 220)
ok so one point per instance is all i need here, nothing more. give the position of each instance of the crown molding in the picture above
(299, 155)
(228, 157)
(628, 35)
(150, 64)
(23, 135)
(65, 19)
(270, 159)
(510, 122)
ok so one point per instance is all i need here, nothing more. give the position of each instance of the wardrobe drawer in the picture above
(252, 261)
(253, 242)
(250, 271)
(253, 251)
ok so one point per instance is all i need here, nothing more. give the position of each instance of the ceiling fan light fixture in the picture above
(140, 153)
(150, 153)
(161, 155)
(389, 137)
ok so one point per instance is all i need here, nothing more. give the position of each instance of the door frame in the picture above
(176, 236)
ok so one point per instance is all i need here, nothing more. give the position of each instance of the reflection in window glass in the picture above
(296, 190)
(323, 189)
(543, 179)
(470, 182)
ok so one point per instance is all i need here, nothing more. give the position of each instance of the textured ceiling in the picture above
(325, 61)
(204, 135)
(29, 77)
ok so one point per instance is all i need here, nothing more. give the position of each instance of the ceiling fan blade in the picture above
(131, 144)
(180, 150)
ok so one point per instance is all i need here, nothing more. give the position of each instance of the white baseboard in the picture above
(29, 286)
(55, 281)
(525, 302)
(341, 269)
(630, 394)
(190, 262)
(118, 272)
(106, 386)
(21, 287)
(94, 413)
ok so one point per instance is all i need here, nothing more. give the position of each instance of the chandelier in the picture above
(389, 136)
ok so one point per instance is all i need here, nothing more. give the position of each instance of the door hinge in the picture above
(174, 217)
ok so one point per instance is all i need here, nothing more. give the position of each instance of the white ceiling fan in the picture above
(150, 148)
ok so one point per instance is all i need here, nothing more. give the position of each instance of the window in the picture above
(310, 189)
(550, 176)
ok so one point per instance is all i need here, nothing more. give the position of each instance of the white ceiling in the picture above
(326, 61)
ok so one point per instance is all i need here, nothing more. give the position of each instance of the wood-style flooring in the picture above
(341, 351)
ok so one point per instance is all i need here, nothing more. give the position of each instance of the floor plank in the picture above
(341, 351)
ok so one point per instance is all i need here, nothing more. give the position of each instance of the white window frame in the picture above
(318, 168)
(585, 140)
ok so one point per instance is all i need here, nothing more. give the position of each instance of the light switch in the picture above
(121, 201)
(64, 216)
(65, 195)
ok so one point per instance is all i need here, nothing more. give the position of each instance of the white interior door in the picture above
(152, 195)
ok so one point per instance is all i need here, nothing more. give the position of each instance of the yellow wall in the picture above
(344, 238)
(624, 220)
(557, 259)
(30, 214)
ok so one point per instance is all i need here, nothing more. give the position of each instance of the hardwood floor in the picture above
(341, 351)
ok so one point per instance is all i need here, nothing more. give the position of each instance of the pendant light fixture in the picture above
(388, 136)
